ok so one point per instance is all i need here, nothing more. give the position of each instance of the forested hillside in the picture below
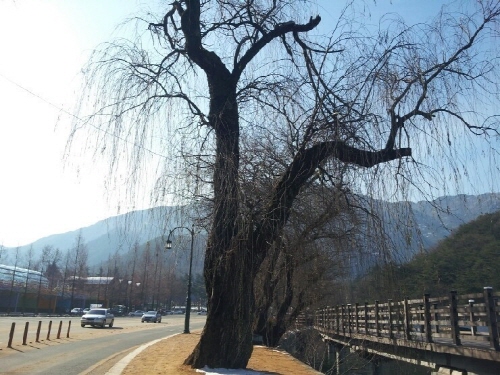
(466, 261)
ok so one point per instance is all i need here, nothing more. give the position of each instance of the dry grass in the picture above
(167, 357)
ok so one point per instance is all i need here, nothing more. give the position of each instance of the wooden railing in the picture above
(453, 319)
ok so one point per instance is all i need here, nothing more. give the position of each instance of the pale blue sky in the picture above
(44, 46)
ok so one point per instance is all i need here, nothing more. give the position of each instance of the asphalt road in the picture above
(85, 348)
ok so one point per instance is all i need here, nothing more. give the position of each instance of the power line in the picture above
(78, 118)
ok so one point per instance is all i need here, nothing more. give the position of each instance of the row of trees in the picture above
(261, 113)
(143, 276)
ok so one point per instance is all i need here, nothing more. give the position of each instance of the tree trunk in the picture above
(272, 328)
(226, 341)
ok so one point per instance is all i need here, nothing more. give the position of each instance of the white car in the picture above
(98, 318)
(76, 311)
(136, 313)
(151, 316)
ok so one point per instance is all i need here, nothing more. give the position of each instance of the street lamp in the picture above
(142, 302)
(130, 287)
(168, 246)
(129, 293)
(120, 296)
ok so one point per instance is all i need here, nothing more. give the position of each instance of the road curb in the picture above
(118, 368)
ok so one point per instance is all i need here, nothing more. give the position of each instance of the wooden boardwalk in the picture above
(462, 326)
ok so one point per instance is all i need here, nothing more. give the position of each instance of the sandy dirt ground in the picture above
(167, 357)
(164, 357)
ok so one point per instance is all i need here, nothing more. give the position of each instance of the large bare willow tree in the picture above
(212, 73)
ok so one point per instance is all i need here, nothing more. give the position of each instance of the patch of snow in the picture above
(226, 371)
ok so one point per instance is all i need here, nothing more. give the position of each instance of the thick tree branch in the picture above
(279, 30)
(302, 168)
(206, 60)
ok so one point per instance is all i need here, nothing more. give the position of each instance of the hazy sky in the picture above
(44, 45)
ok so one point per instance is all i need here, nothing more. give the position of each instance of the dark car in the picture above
(151, 316)
(119, 310)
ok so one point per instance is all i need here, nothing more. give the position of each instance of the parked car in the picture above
(202, 312)
(76, 311)
(136, 313)
(86, 310)
(119, 310)
(151, 316)
(98, 318)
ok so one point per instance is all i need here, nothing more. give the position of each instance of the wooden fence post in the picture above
(455, 332)
(330, 320)
(366, 318)
(473, 328)
(349, 319)
(342, 315)
(406, 318)
(389, 317)
(337, 322)
(421, 318)
(377, 326)
(325, 319)
(427, 318)
(436, 318)
(356, 311)
(398, 318)
(492, 317)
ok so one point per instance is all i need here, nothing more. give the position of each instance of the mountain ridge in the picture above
(433, 221)
(115, 234)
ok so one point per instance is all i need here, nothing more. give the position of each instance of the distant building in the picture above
(98, 280)
(21, 277)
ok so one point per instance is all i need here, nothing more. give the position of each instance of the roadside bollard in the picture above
(59, 330)
(48, 332)
(11, 335)
(69, 327)
(38, 331)
(25, 335)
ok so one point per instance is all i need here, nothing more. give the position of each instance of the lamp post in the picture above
(142, 302)
(130, 287)
(168, 246)
(154, 282)
(120, 296)
(129, 293)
